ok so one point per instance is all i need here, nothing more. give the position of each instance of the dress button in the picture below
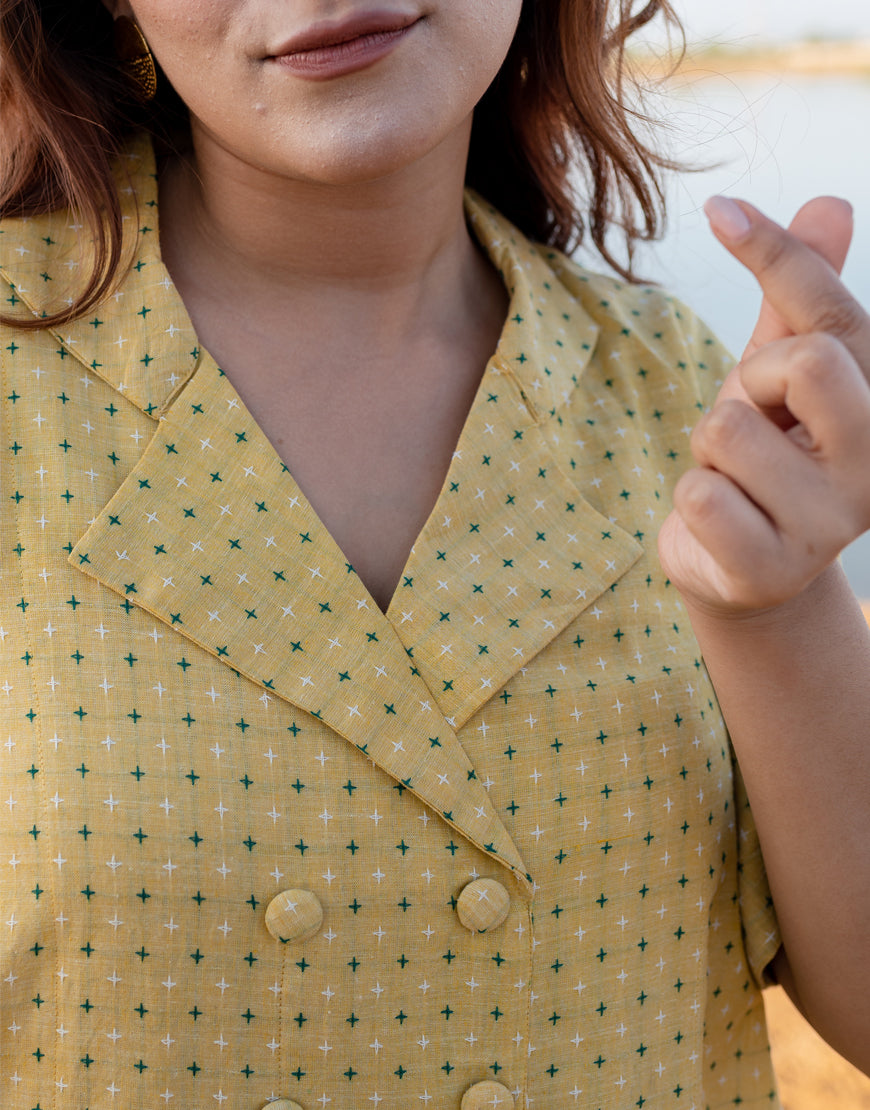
(282, 1104)
(294, 915)
(483, 904)
(488, 1094)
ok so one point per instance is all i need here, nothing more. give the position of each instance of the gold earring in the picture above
(136, 59)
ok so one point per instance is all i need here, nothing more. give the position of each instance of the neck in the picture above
(383, 255)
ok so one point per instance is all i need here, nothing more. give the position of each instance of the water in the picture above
(777, 142)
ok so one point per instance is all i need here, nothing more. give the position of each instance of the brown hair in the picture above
(558, 104)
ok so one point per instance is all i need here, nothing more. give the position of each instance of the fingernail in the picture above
(727, 218)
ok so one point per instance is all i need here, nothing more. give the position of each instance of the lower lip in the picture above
(346, 57)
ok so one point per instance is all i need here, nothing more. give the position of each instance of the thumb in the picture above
(825, 225)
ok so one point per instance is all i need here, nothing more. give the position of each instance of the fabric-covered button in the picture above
(483, 1096)
(294, 915)
(483, 904)
(282, 1104)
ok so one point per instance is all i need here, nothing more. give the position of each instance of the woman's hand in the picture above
(783, 477)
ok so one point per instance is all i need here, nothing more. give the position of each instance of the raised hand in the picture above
(783, 476)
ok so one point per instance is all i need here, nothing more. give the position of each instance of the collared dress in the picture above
(263, 844)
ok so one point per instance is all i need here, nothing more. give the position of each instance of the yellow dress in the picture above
(265, 844)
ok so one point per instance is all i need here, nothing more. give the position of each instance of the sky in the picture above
(774, 20)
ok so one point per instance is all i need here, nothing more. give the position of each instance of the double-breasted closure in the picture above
(263, 841)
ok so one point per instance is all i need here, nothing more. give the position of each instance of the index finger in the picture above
(799, 284)
(825, 224)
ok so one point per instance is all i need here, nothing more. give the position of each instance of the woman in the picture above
(359, 748)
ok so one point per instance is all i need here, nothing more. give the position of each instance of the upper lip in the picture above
(330, 33)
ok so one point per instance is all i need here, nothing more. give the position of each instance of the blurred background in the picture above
(750, 22)
(774, 96)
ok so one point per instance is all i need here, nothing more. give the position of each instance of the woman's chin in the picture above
(346, 154)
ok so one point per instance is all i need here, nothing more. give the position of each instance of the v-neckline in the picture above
(495, 367)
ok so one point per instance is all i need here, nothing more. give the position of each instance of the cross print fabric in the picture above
(246, 814)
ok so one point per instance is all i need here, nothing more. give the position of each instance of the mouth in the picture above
(327, 49)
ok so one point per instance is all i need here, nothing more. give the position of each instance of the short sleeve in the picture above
(761, 935)
(711, 362)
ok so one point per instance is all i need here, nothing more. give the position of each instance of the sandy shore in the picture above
(810, 1075)
(821, 59)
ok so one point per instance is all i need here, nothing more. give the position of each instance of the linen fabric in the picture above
(204, 711)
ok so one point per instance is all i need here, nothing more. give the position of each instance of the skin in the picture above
(370, 316)
(368, 320)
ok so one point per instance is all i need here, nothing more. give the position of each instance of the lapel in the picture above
(524, 562)
(210, 533)
(511, 553)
